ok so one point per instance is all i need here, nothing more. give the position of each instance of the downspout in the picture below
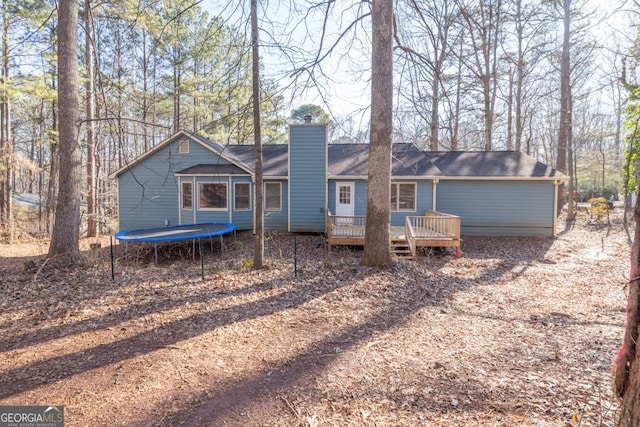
(253, 204)
(555, 206)
(195, 199)
(232, 195)
(434, 194)
(289, 180)
(180, 196)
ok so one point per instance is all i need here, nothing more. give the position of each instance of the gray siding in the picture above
(424, 190)
(499, 208)
(424, 201)
(277, 220)
(148, 192)
(361, 187)
(307, 177)
(206, 215)
(242, 219)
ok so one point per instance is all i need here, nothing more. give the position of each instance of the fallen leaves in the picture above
(519, 331)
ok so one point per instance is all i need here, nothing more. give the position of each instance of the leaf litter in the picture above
(519, 331)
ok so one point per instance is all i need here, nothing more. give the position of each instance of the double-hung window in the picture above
(403, 196)
(272, 196)
(242, 196)
(187, 195)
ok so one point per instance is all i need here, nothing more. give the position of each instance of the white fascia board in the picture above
(211, 174)
(347, 177)
(499, 178)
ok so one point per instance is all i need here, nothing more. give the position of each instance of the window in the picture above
(213, 195)
(242, 200)
(403, 197)
(344, 197)
(184, 147)
(272, 196)
(187, 195)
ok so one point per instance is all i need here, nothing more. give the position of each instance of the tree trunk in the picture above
(258, 247)
(52, 187)
(626, 368)
(177, 73)
(455, 129)
(6, 192)
(509, 144)
(565, 118)
(433, 126)
(377, 251)
(64, 239)
(571, 199)
(92, 223)
(519, 77)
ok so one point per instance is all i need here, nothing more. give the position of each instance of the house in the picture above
(189, 179)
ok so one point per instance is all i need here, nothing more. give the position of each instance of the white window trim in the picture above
(234, 197)
(182, 183)
(225, 209)
(415, 197)
(279, 184)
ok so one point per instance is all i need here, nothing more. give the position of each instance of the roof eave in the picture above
(149, 153)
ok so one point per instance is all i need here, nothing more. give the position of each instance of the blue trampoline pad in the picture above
(177, 232)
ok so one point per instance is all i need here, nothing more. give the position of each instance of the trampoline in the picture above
(177, 232)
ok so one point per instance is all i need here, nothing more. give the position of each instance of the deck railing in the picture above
(346, 226)
(433, 225)
(433, 229)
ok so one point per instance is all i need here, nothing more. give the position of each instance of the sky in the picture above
(343, 90)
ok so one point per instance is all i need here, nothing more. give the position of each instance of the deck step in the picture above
(401, 248)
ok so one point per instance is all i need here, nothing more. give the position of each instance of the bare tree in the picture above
(484, 26)
(426, 42)
(258, 249)
(377, 251)
(627, 368)
(64, 238)
(92, 223)
(565, 99)
(529, 24)
(6, 140)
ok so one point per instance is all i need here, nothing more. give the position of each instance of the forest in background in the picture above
(469, 75)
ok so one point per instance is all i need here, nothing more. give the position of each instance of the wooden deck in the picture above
(434, 229)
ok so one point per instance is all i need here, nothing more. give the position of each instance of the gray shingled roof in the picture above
(351, 160)
(491, 164)
(275, 158)
(224, 151)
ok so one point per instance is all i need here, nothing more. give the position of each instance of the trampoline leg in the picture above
(201, 259)
(113, 273)
(155, 248)
(221, 245)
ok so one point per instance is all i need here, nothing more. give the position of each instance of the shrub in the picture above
(599, 207)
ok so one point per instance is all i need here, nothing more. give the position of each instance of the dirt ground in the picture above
(517, 332)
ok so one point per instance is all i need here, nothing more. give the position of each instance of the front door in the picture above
(345, 204)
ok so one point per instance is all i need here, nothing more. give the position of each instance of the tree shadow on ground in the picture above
(18, 380)
(229, 406)
(410, 295)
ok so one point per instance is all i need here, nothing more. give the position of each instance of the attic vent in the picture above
(184, 147)
(307, 118)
